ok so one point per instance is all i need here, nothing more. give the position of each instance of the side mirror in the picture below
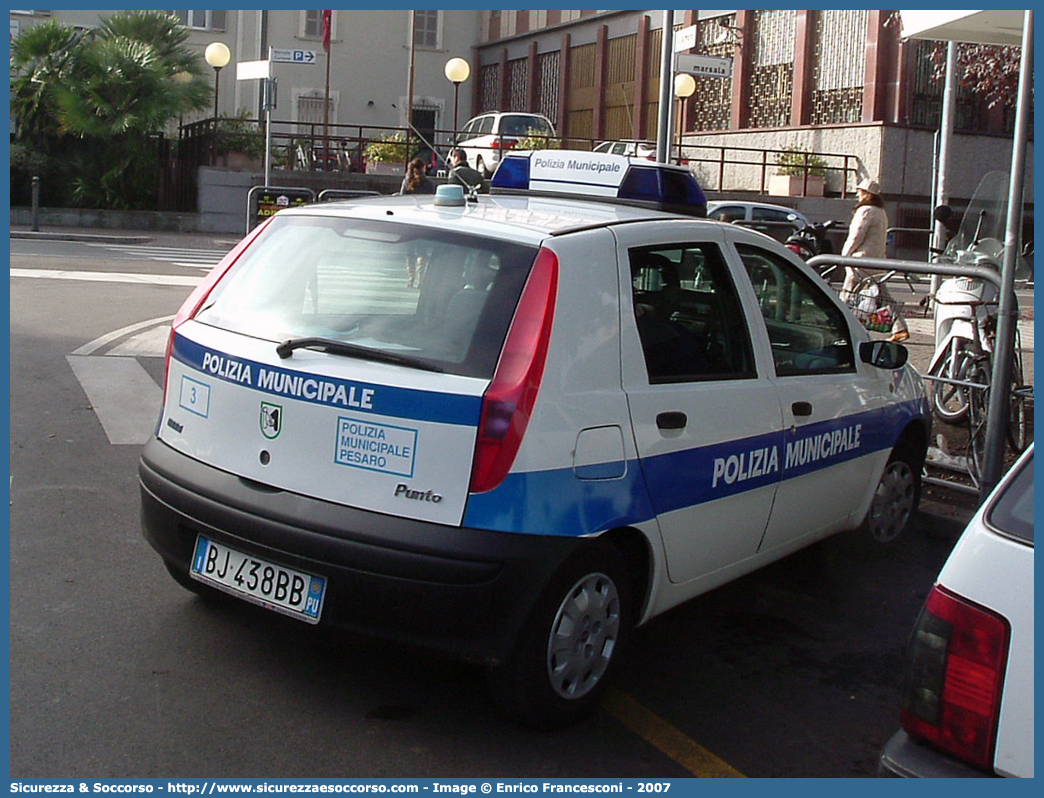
(883, 354)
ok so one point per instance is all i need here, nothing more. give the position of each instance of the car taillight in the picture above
(954, 673)
(503, 144)
(511, 395)
(190, 307)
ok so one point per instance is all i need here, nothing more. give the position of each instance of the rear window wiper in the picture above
(334, 347)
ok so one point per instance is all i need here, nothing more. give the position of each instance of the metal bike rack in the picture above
(1000, 380)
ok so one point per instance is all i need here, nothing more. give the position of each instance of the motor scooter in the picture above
(812, 240)
(965, 308)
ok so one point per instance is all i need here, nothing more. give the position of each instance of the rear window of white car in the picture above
(1012, 510)
(524, 125)
(439, 298)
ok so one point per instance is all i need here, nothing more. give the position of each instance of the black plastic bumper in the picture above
(904, 757)
(462, 592)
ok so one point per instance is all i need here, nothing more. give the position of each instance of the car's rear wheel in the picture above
(570, 644)
(482, 168)
(896, 497)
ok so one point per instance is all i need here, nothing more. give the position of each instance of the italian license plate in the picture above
(274, 587)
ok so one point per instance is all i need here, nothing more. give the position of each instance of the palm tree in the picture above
(114, 91)
(41, 58)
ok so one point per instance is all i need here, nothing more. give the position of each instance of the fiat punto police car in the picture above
(512, 427)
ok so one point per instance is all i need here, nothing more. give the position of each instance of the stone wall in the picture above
(900, 158)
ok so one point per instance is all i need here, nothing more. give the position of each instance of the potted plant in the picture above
(535, 140)
(240, 145)
(386, 155)
(798, 173)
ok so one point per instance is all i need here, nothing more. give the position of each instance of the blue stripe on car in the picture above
(557, 502)
(321, 389)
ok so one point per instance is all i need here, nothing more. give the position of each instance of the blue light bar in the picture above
(601, 176)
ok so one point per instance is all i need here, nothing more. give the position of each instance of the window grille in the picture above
(839, 71)
(518, 78)
(772, 68)
(489, 88)
(620, 87)
(310, 110)
(548, 67)
(712, 102)
(582, 73)
(927, 94)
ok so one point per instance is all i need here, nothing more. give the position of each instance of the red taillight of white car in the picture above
(954, 674)
(511, 395)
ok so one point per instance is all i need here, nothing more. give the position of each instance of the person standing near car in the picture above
(463, 175)
(867, 238)
(416, 181)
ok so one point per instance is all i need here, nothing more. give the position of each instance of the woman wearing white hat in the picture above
(867, 238)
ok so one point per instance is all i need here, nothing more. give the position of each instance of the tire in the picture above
(951, 401)
(571, 643)
(1019, 431)
(481, 166)
(978, 412)
(896, 497)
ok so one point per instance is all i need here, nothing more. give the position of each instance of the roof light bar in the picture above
(596, 175)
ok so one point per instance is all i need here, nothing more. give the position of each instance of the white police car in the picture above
(511, 428)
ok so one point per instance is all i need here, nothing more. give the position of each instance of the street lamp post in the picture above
(217, 55)
(684, 87)
(457, 71)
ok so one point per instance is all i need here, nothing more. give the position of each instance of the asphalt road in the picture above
(116, 671)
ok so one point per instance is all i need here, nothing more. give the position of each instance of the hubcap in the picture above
(893, 502)
(583, 636)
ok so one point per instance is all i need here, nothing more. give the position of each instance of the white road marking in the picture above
(106, 277)
(91, 347)
(124, 397)
(179, 256)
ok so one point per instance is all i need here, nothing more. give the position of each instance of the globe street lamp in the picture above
(457, 71)
(684, 87)
(217, 55)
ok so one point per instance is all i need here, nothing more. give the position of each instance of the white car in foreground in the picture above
(967, 706)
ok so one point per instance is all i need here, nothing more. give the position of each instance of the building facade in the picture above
(372, 64)
(840, 83)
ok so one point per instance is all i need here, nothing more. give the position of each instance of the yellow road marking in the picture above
(655, 730)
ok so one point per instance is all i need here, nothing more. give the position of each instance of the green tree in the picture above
(41, 58)
(111, 92)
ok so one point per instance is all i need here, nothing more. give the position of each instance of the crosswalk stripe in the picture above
(179, 256)
(124, 397)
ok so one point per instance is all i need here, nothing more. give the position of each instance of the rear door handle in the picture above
(801, 408)
(673, 419)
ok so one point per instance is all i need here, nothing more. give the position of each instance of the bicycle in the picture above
(967, 384)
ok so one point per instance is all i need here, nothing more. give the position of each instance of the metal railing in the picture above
(729, 168)
(315, 146)
(997, 417)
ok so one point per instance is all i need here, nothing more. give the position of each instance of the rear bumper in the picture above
(904, 757)
(462, 592)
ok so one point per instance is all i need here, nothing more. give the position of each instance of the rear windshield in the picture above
(435, 296)
(1012, 509)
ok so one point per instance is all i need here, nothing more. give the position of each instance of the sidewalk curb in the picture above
(87, 237)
